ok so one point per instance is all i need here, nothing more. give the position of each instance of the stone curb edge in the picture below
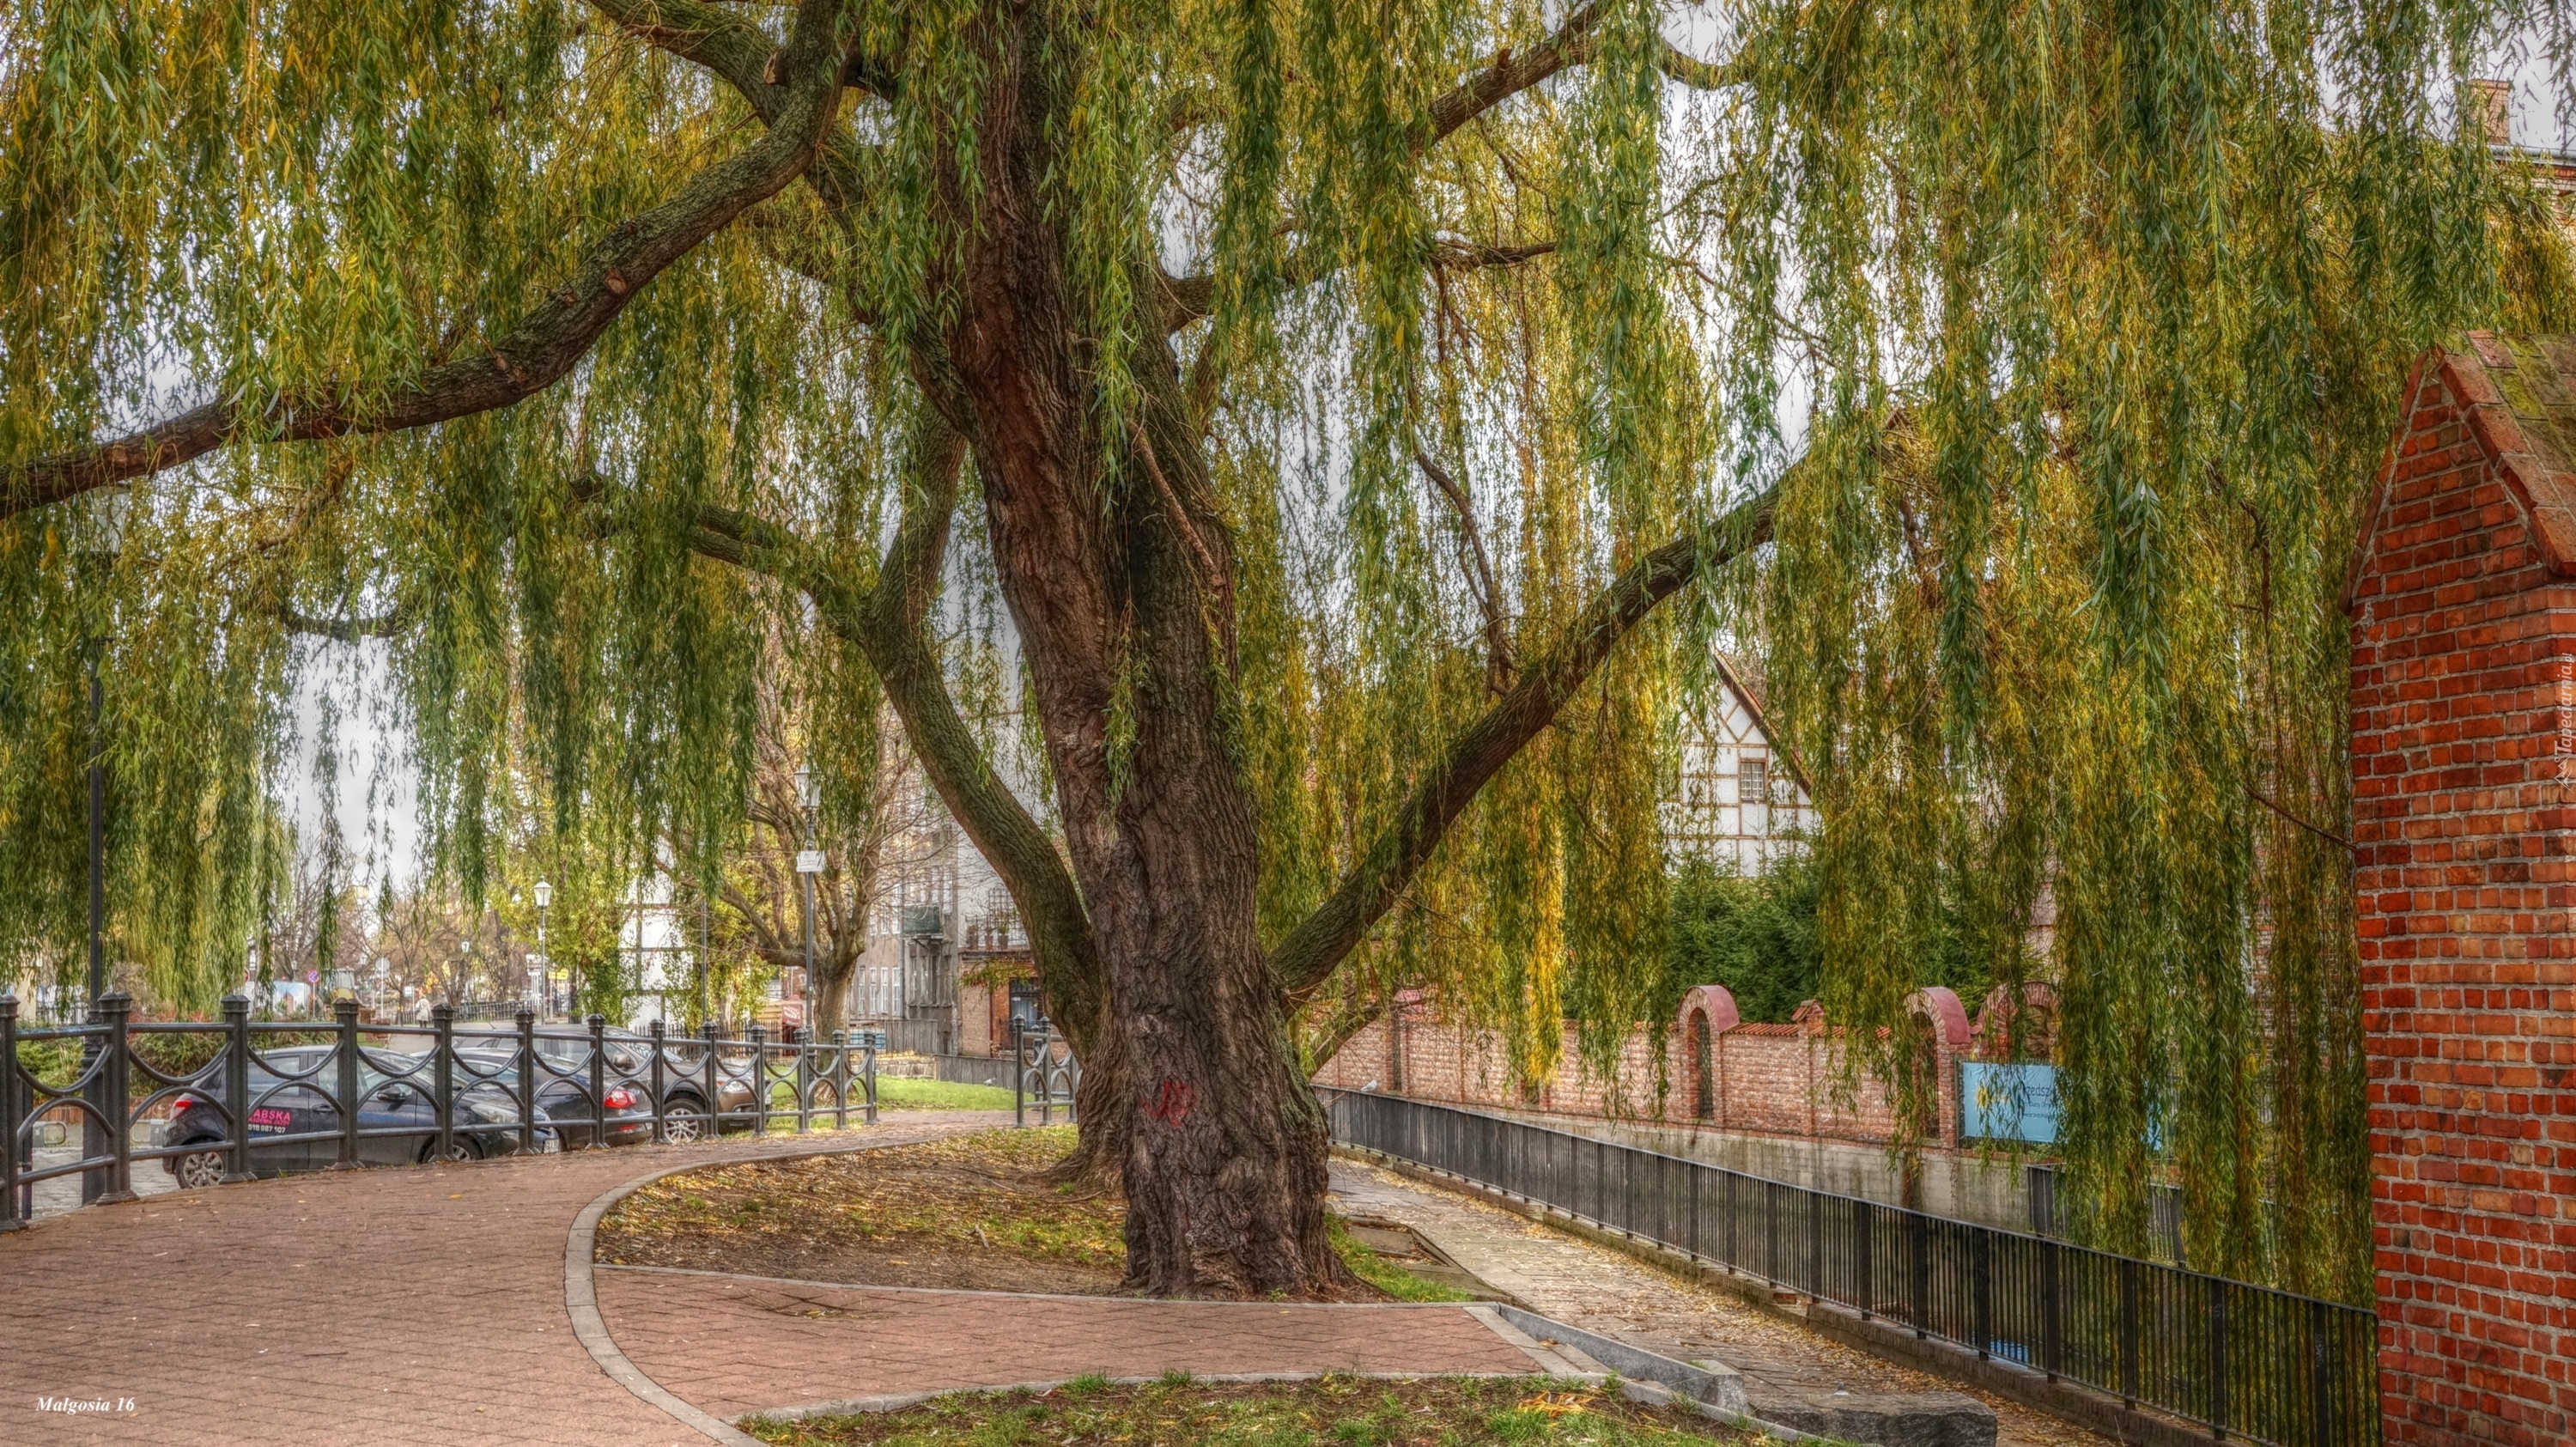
(1035, 1295)
(581, 1297)
(896, 1402)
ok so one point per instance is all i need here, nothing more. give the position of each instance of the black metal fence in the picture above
(230, 1099)
(1044, 1073)
(2243, 1361)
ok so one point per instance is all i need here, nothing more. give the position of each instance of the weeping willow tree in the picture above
(1332, 397)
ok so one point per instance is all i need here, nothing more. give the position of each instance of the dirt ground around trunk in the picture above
(973, 1213)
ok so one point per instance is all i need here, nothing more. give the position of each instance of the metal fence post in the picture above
(527, 1023)
(118, 1009)
(1046, 1073)
(1815, 1246)
(876, 1042)
(598, 1082)
(661, 1134)
(2128, 1332)
(2321, 1374)
(2217, 1359)
(803, 1043)
(840, 1080)
(759, 1080)
(9, 1218)
(715, 1081)
(237, 1088)
(442, 1075)
(1918, 1231)
(2052, 1341)
(345, 1056)
(1019, 1074)
(1981, 1285)
(1865, 1217)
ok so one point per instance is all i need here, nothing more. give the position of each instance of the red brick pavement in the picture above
(733, 1345)
(387, 1306)
(390, 1307)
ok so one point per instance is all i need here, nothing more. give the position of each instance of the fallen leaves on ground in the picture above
(968, 1211)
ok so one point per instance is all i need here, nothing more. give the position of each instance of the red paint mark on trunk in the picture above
(1171, 1102)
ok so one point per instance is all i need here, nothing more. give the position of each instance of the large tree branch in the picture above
(1311, 952)
(533, 355)
(733, 50)
(885, 624)
(1573, 43)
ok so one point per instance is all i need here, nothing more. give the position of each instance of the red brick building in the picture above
(2463, 604)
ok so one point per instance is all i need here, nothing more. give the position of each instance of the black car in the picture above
(563, 1088)
(626, 1081)
(294, 1125)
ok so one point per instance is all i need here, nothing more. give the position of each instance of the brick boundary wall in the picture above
(1769, 1079)
(2463, 732)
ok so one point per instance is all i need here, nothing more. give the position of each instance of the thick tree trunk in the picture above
(827, 990)
(1112, 556)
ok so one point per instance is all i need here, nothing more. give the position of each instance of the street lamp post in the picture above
(545, 962)
(809, 862)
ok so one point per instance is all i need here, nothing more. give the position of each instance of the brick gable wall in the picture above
(2464, 729)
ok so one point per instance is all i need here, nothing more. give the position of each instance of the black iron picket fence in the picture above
(2244, 1361)
(1044, 1073)
(260, 1097)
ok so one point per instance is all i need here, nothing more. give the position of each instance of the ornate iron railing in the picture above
(1044, 1073)
(266, 1097)
(2241, 1360)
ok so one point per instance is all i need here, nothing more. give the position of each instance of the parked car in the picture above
(563, 1089)
(626, 1079)
(295, 1125)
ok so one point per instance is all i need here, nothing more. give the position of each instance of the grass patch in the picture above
(905, 1093)
(1330, 1412)
(1387, 1276)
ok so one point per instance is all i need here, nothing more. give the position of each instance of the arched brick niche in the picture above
(1708, 1012)
(2462, 598)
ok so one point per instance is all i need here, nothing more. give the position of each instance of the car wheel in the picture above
(459, 1148)
(680, 1129)
(199, 1169)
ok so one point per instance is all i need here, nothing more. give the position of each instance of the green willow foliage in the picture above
(2088, 317)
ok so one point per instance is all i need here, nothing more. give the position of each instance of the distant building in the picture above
(947, 961)
(1741, 799)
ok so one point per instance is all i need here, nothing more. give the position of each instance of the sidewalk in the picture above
(387, 1306)
(440, 1305)
(1601, 1290)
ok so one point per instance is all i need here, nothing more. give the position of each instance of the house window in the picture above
(1753, 781)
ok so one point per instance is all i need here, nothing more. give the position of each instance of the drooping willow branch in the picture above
(1317, 946)
(346, 630)
(1471, 549)
(534, 354)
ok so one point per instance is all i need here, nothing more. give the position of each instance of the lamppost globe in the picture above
(809, 795)
(545, 894)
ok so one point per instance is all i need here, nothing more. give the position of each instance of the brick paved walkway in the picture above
(732, 1345)
(397, 1306)
(381, 1306)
